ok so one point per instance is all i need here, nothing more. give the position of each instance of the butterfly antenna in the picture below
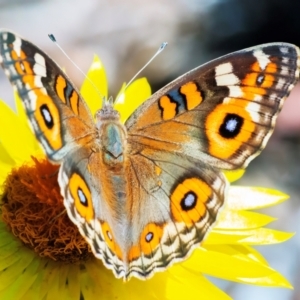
(160, 49)
(53, 39)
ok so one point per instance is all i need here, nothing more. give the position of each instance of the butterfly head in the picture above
(107, 112)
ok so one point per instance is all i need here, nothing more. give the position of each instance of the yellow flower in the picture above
(35, 266)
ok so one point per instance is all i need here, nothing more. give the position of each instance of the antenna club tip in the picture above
(164, 45)
(52, 37)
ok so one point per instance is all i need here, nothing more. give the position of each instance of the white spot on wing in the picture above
(12, 70)
(7, 56)
(285, 60)
(273, 96)
(38, 83)
(39, 67)
(258, 98)
(32, 97)
(262, 58)
(224, 75)
(254, 108)
(17, 45)
(280, 84)
(223, 69)
(227, 80)
(284, 71)
(235, 92)
(284, 50)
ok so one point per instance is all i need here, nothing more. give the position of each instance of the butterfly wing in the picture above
(59, 117)
(165, 213)
(174, 203)
(222, 112)
(218, 116)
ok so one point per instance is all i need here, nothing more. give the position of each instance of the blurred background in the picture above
(126, 33)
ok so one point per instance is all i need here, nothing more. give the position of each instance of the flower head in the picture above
(42, 255)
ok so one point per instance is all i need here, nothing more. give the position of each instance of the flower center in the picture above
(33, 209)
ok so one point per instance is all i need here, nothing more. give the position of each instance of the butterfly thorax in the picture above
(112, 137)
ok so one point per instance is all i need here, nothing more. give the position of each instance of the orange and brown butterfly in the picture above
(145, 193)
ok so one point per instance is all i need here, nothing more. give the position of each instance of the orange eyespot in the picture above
(82, 196)
(188, 200)
(110, 241)
(47, 117)
(149, 241)
(227, 128)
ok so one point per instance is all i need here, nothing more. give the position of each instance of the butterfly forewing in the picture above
(50, 99)
(222, 112)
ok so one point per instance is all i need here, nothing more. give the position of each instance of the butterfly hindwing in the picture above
(50, 100)
(182, 199)
(168, 210)
(222, 112)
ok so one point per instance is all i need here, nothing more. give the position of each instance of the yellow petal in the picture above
(273, 280)
(17, 139)
(5, 158)
(6, 164)
(241, 197)
(234, 175)
(258, 236)
(218, 261)
(266, 236)
(22, 283)
(120, 99)
(242, 220)
(97, 75)
(189, 284)
(245, 251)
(224, 237)
(49, 284)
(54, 292)
(73, 286)
(36, 150)
(89, 287)
(129, 100)
(12, 272)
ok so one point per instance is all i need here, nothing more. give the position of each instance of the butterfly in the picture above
(144, 194)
